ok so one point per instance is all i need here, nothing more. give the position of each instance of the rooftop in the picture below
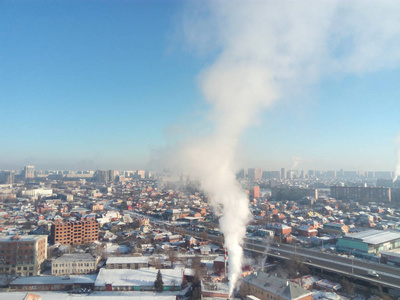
(373, 236)
(275, 285)
(21, 238)
(128, 260)
(38, 280)
(140, 277)
(74, 257)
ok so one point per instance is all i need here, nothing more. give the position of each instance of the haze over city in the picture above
(96, 85)
(192, 150)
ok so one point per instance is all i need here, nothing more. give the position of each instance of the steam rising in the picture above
(268, 50)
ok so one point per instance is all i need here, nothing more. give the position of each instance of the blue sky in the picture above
(87, 85)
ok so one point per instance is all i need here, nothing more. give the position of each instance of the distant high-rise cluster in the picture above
(254, 174)
(105, 176)
(284, 174)
(29, 172)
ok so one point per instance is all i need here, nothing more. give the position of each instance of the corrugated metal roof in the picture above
(374, 236)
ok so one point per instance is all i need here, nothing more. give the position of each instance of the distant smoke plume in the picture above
(295, 162)
(267, 50)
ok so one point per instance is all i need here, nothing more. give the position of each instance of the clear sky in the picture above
(104, 84)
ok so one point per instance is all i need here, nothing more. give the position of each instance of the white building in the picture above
(38, 192)
(123, 262)
(74, 264)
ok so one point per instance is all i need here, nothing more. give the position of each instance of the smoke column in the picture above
(263, 51)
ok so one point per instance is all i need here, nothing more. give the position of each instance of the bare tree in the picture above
(172, 256)
(347, 286)
(7, 277)
(155, 261)
(204, 236)
(295, 267)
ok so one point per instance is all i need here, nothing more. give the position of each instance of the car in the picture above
(373, 274)
(308, 260)
(277, 253)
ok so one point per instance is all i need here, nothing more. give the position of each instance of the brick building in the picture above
(75, 233)
(22, 255)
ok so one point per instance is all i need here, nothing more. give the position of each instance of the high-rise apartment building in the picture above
(105, 176)
(75, 233)
(7, 177)
(283, 173)
(111, 175)
(254, 174)
(361, 193)
(141, 174)
(22, 255)
(241, 174)
(271, 174)
(256, 191)
(29, 172)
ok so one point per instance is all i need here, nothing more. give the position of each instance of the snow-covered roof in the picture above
(140, 277)
(38, 280)
(128, 260)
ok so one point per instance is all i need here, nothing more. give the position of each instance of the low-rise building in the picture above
(123, 262)
(74, 264)
(52, 283)
(335, 228)
(137, 280)
(266, 287)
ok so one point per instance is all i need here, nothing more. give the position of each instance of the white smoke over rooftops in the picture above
(267, 50)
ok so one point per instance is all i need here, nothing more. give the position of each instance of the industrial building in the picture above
(370, 243)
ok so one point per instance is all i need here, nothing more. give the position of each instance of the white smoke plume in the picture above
(264, 51)
(295, 162)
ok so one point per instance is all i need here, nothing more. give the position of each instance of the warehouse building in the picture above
(370, 243)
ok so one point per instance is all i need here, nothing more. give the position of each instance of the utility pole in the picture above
(352, 265)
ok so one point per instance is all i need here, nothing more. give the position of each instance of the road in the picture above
(388, 276)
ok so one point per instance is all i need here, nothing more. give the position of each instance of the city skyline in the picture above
(109, 85)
